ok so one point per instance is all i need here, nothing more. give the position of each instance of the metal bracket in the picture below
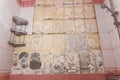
(103, 6)
(114, 13)
(116, 23)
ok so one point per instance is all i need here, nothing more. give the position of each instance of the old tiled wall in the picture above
(65, 40)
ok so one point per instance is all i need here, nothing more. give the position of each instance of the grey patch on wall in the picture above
(58, 66)
(35, 62)
(15, 63)
(96, 61)
(15, 60)
(23, 57)
(76, 42)
(84, 62)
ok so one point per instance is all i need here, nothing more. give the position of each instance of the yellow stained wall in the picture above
(66, 37)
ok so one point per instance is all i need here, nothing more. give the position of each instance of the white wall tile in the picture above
(104, 19)
(28, 13)
(117, 57)
(105, 40)
(108, 58)
(115, 38)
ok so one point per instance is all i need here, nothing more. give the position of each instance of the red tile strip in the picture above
(26, 3)
(4, 76)
(99, 1)
(59, 77)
